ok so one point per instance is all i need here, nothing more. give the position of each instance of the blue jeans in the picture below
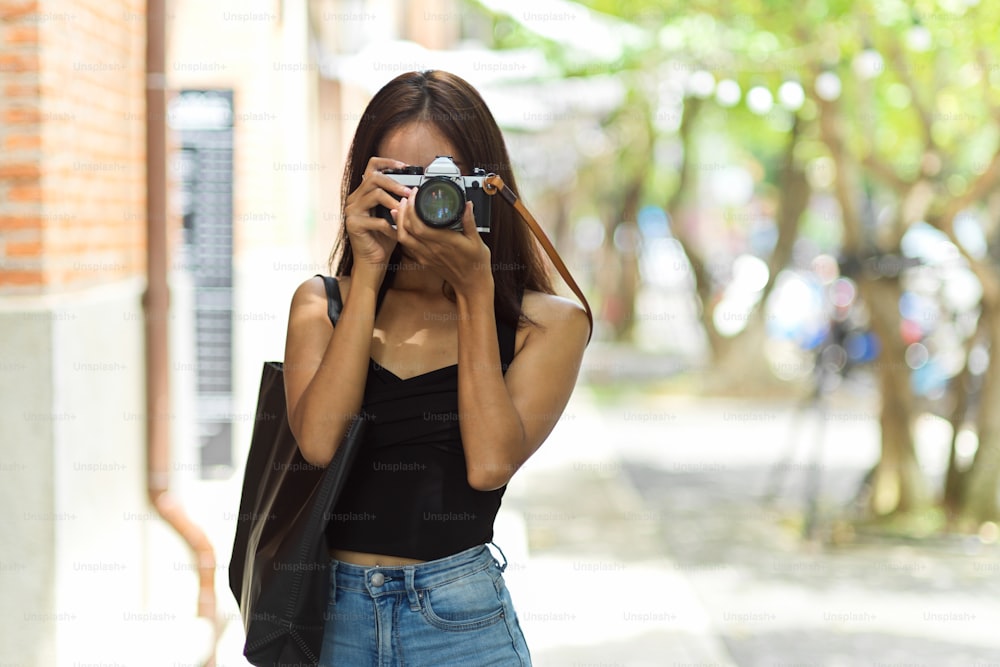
(454, 611)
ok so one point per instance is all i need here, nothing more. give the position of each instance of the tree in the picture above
(902, 101)
(911, 144)
(923, 138)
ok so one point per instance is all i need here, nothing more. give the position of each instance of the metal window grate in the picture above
(203, 120)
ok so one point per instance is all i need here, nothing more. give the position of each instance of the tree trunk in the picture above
(608, 281)
(794, 199)
(702, 279)
(682, 216)
(983, 479)
(621, 229)
(560, 226)
(975, 490)
(897, 484)
(956, 479)
(740, 361)
(620, 266)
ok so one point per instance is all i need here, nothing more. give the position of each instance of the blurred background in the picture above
(784, 448)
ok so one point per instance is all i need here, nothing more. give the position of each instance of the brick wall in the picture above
(72, 174)
(20, 140)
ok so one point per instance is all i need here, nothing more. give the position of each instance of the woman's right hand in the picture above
(373, 238)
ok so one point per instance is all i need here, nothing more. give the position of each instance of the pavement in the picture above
(723, 489)
(590, 580)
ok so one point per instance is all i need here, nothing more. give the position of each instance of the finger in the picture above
(388, 183)
(378, 182)
(403, 235)
(386, 230)
(379, 164)
(364, 204)
(360, 224)
(373, 176)
(370, 194)
(411, 232)
(469, 222)
(410, 221)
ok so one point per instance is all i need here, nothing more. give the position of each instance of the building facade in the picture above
(258, 124)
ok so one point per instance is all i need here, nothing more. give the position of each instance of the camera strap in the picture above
(494, 184)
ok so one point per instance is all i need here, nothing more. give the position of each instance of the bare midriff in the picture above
(371, 560)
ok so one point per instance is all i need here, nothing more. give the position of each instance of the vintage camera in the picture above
(443, 191)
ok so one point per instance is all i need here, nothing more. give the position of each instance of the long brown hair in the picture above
(456, 110)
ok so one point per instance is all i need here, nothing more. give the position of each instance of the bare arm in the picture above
(505, 419)
(326, 366)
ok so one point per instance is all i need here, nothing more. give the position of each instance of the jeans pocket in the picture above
(466, 603)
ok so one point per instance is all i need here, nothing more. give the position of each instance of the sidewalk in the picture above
(589, 578)
(703, 470)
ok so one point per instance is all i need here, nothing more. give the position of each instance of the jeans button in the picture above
(378, 579)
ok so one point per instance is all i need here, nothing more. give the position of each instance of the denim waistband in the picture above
(411, 579)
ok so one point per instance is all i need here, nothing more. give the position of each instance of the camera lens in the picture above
(440, 202)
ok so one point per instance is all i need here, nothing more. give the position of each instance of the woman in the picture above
(457, 351)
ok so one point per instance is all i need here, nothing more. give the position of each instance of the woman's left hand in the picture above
(461, 258)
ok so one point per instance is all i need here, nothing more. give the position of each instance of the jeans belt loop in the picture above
(333, 581)
(502, 555)
(411, 589)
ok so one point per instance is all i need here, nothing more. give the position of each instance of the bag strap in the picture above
(494, 184)
(334, 300)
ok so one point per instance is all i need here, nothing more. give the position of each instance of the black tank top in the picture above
(407, 494)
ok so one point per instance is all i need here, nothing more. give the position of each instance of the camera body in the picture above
(442, 193)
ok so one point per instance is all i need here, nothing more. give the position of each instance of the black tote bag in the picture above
(279, 571)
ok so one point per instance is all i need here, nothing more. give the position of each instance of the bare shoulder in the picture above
(310, 298)
(556, 316)
(309, 293)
